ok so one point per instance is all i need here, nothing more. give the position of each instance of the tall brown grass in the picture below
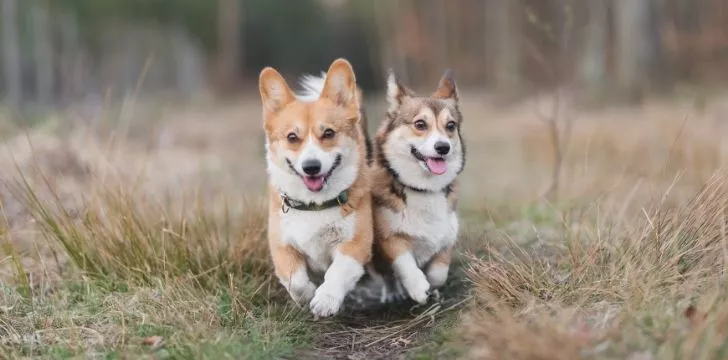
(633, 264)
(627, 263)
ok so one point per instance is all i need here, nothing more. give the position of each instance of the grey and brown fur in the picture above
(415, 209)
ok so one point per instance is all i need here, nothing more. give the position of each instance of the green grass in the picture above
(168, 280)
(88, 320)
(628, 264)
(195, 275)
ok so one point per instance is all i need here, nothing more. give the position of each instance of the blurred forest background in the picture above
(57, 52)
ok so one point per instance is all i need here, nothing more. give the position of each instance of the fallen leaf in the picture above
(154, 342)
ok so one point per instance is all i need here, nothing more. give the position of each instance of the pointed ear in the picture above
(396, 92)
(447, 88)
(274, 91)
(340, 86)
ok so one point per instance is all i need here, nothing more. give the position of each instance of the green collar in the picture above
(289, 203)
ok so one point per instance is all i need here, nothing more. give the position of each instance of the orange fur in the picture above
(337, 110)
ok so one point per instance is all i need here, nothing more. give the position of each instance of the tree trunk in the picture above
(506, 20)
(660, 76)
(11, 52)
(404, 17)
(593, 58)
(229, 43)
(72, 64)
(187, 61)
(633, 47)
(44, 74)
(438, 17)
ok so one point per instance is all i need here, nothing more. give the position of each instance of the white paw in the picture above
(437, 275)
(302, 293)
(325, 303)
(417, 287)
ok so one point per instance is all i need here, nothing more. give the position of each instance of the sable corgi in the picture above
(320, 215)
(419, 153)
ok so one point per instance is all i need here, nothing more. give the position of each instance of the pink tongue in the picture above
(437, 166)
(314, 183)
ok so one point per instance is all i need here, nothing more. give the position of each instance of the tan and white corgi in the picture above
(419, 153)
(320, 215)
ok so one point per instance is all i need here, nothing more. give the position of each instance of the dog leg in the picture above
(439, 267)
(340, 278)
(397, 250)
(290, 268)
(347, 267)
(413, 279)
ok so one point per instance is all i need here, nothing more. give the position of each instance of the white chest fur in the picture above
(428, 220)
(316, 234)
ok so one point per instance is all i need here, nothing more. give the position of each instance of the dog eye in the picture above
(292, 137)
(420, 125)
(451, 126)
(328, 134)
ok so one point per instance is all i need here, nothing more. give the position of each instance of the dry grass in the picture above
(630, 264)
(125, 260)
(113, 238)
(610, 290)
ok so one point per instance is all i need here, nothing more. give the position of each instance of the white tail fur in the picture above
(312, 87)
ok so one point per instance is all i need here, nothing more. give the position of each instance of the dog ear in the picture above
(447, 89)
(274, 91)
(340, 86)
(396, 92)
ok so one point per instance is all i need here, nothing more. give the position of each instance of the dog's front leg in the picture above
(291, 270)
(439, 267)
(340, 278)
(346, 268)
(398, 251)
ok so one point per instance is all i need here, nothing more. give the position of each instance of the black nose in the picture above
(311, 167)
(442, 147)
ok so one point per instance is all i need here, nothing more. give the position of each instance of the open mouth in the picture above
(314, 183)
(317, 182)
(436, 165)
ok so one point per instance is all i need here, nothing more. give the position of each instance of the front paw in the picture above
(326, 302)
(302, 293)
(417, 287)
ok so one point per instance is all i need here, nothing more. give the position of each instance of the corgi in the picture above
(419, 153)
(320, 213)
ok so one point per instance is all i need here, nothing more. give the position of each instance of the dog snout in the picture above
(442, 148)
(311, 167)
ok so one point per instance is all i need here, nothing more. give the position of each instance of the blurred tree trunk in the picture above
(11, 52)
(640, 56)
(592, 67)
(229, 44)
(405, 19)
(505, 15)
(71, 60)
(44, 74)
(660, 74)
(438, 17)
(382, 18)
(187, 60)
